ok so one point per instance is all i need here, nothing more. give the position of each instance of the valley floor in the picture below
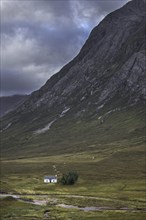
(111, 186)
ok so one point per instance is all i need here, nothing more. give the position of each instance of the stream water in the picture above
(92, 208)
(85, 209)
(34, 202)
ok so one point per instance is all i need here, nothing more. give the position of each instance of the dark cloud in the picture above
(39, 37)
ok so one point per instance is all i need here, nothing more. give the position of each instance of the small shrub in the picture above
(69, 178)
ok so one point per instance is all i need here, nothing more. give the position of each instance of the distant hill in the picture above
(9, 103)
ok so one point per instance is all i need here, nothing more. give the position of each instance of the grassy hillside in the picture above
(111, 128)
(108, 153)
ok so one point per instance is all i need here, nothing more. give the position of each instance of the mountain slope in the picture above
(114, 49)
(92, 97)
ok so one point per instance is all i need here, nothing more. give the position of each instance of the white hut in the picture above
(50, 179)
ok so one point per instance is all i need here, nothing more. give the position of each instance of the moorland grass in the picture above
(109, 158)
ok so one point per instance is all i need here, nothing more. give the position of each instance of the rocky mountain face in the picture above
(110, 63)
(107, 75)
(9, 103)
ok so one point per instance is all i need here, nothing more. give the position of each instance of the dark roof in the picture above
(50, 177)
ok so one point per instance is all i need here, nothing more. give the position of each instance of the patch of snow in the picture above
(101, 106)
(6, 127)
(113, 110)
(46, 128)
(109, 112)
(35, 119)
(82, 98)
(64, 112)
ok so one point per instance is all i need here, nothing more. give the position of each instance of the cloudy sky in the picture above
(38, 37)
